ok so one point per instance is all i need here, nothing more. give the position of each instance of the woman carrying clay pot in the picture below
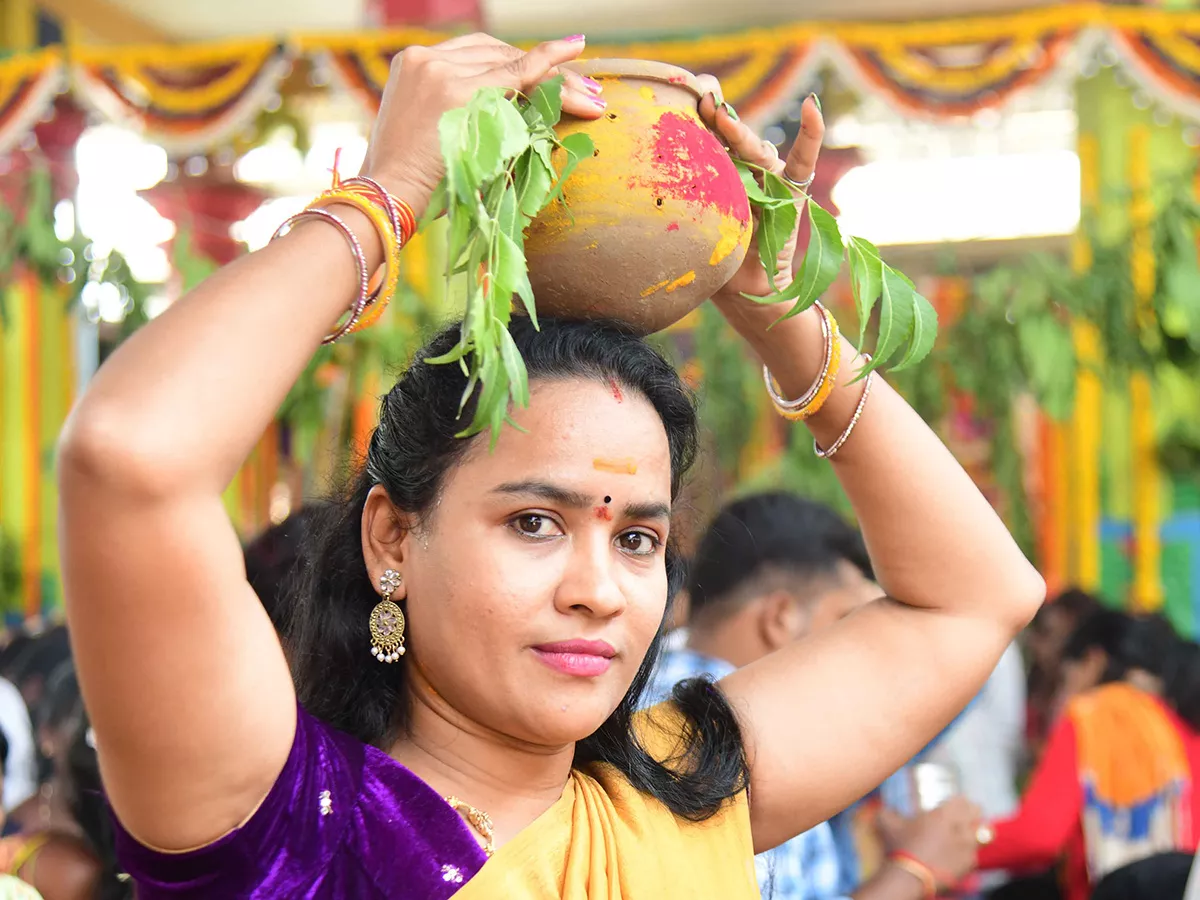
(500, 755)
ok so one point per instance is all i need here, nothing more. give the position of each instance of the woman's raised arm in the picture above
(829, 718)
(182, 672)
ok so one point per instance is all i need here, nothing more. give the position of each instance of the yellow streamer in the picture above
(135, 68)
(1085, 424)
(919, 71)
(1147, 480)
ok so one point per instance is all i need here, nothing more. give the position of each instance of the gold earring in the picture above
(387, 621)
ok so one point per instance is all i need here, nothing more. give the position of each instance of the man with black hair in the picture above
(771, 569)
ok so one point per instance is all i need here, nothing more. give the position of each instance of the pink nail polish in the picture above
(575, 38)
(599, 102)
(592, 83)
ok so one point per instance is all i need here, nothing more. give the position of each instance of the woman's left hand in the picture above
(799, 166)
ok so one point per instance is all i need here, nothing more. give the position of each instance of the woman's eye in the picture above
(639, 543)
(532, 525)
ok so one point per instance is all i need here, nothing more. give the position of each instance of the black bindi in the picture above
(608, 499)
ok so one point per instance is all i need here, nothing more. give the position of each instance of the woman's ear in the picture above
(385, 537)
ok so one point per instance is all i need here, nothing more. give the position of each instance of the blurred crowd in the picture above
(1069, 776)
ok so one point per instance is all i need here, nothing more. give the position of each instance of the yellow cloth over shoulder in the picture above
(604, 840)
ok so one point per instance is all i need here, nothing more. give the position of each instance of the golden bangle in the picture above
(918, 871)
(810, 404)
(787, 406)
(391, 247)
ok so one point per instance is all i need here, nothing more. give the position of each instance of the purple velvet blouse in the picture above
(344, 821)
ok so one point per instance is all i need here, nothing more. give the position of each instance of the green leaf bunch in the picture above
(907, 321)
(499, 176)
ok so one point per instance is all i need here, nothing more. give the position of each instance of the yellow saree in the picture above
(604, 840)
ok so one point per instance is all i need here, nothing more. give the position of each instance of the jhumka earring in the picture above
(387, 621)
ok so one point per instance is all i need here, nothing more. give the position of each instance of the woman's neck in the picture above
(1144, 681)
(512, 781)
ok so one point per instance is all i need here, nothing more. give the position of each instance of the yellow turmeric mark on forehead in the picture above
(616, 466)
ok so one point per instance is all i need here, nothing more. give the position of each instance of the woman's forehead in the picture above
(577, 427)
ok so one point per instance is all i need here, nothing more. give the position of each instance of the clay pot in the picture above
(660, 217)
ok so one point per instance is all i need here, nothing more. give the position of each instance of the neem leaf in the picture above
(483, 145)
(514, 133)
(924, 330)
(753, 189)
(866, 274)
(452, 135)
(508, 214)
(822, 261)
(438, 205)
(896, 316)
(546, 100)
(514, 368)
(533, 179)
(525, 292)
(777, 221)
(510, 268)
(578, 147)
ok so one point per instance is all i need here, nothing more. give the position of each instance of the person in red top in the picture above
(1115, 782)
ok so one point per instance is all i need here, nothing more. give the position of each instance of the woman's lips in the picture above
(584, 659)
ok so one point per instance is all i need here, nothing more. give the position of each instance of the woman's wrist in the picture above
(792, 349)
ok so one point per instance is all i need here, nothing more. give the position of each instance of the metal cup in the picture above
(934, 784)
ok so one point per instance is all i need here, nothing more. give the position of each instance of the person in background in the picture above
(771, 569)
(11, 887)
(1162, 877)
(51, 850)
(1044, 640)
(20, 759)
(47, 810)
(32, 669)
(1115, 784)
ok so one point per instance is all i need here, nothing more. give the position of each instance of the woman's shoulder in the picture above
(345, 812)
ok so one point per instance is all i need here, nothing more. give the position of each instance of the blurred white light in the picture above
(149, 264)
(961, 198)
(64, 220)
(120, 158)
(106, 299)
(332, 137)
(273, 161)
(114, 164)
(156, 305)
(256, 229)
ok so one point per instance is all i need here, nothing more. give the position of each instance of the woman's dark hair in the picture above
(85, 798)
(1182, 682)
(271, 560)
(1147, 643)
(1102, 630)
(410, 454)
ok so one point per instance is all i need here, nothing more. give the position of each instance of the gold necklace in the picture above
(480, 821)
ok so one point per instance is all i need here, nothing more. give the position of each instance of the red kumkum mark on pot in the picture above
(674, 226)
(615, 466)
(691, 165)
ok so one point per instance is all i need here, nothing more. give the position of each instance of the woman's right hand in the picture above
(405, 154)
